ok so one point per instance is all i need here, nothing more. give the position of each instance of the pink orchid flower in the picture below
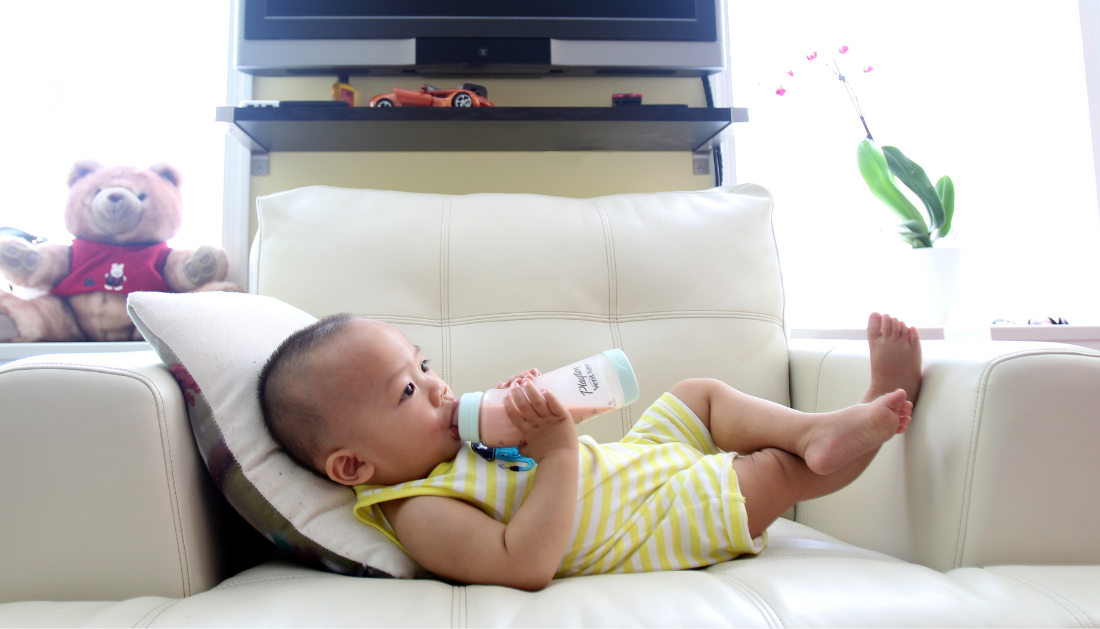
(843, 49)
(811, 56)
(781, 91)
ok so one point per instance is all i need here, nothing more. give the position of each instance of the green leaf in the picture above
(945, 190)
(913, 176)
(916, 227)
(916, 234)
(872, 165)
(913, 239)
(916, 240)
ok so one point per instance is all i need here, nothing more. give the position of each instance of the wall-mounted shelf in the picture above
(643, 128)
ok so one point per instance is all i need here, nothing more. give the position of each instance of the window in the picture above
(122, 82)
(993, 95)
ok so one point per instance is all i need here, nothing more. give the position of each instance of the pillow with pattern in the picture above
(215, 344)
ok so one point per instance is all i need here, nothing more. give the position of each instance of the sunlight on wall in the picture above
(991, 94)
(123, 82)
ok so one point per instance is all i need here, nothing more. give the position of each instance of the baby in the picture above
(697, 480)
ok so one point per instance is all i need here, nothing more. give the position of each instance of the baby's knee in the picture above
(698, 386)
(697, 393)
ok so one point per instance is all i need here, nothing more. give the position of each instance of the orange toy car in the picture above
(467, 95)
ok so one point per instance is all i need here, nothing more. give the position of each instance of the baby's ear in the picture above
(345, 467)
(168, 172)
(82, 168)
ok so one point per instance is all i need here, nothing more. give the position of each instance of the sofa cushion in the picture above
(215, 344)
(803, 579)
(686, 283)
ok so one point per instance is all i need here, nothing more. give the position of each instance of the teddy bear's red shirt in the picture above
(122, 269)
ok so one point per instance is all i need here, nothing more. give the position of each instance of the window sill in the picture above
(15, 351)
(1085, 335)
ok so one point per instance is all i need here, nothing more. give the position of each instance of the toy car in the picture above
(467, 95)
(621, 100)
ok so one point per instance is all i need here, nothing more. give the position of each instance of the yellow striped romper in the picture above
(663, 498)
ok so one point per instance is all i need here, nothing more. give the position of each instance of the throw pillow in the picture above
(215, 344)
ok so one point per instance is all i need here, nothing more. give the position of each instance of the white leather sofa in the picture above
(985, 513)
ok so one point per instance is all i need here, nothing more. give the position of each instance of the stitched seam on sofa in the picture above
(454, 612)
(612, 297)
(147, 620)
(779, 268)
(817, 395)
(817, 377)
(625, 412)
(964, 508)
(578, 316)
(971, 463)
(748, 562)
(231, 584)
(445, 289)
(465, 607)
(758, 601)
(177, 518)
(170, 471)
(1078, 614)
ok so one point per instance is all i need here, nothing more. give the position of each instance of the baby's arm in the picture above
(454, 539)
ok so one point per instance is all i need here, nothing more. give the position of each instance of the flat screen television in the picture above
(491, 37)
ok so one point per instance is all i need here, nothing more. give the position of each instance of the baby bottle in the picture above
(588, 387)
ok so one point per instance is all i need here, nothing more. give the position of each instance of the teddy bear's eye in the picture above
(141, 197)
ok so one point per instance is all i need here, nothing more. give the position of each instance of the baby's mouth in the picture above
(454, 419)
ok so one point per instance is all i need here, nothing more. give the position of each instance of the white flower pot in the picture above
(937, 283)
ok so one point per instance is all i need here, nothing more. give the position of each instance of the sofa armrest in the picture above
(104, 494)
(998, 467)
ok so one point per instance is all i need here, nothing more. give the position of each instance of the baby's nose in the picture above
(442, 392)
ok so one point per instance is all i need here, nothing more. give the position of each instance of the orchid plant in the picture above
(879, 168)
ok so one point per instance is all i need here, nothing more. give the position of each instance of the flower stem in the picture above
(852, 97)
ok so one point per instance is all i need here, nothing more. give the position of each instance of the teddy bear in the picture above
(120, 218)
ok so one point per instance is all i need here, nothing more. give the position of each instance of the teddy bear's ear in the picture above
(82, 168)
(168, 172)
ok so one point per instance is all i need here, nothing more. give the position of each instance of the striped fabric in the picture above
(663, 498)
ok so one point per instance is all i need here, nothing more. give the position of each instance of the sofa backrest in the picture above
(686, 283)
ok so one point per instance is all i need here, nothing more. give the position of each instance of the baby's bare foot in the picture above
(840, 437)
(895, 357)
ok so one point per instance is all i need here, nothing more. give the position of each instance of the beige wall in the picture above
(572, 174)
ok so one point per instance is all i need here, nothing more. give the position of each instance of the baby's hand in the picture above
(546, 424)
(530, 373)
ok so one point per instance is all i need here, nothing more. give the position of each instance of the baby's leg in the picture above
(772, 481)
(826, 442)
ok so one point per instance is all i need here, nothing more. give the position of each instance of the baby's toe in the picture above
(874, 326)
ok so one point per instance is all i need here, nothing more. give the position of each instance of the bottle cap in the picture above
(626, 375)
(469, 412)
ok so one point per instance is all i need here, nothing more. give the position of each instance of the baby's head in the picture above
(355, 401)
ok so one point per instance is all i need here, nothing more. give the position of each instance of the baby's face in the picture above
(384, 403)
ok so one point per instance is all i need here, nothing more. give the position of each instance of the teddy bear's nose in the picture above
(114, 197)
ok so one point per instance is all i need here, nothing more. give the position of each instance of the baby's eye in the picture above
(424, 366)
(409, 388)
